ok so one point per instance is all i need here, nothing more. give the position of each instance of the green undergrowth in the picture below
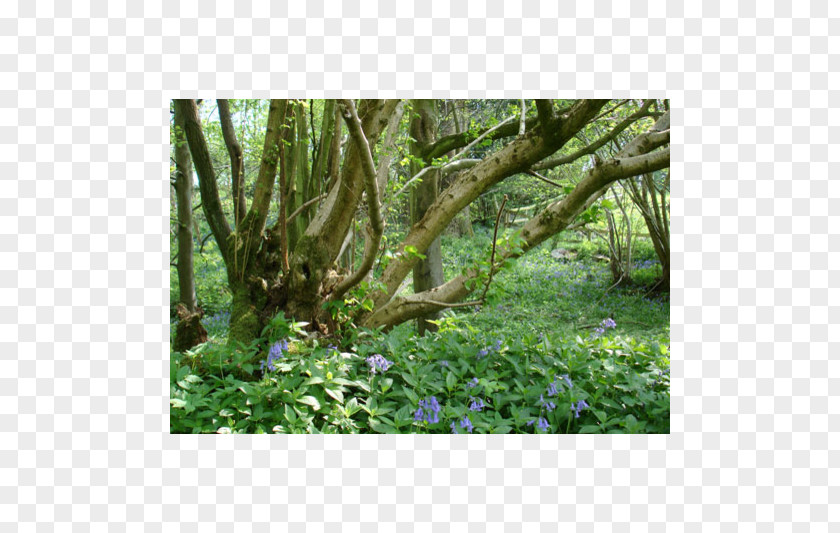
(458, 380)
(556, 349)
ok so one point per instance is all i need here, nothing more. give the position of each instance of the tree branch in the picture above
(517, 156)
(300, 209)
(375, 224)
(206, 174)
(592, 148)
(545, 111)
(236, 162)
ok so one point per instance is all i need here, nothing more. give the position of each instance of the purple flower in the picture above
(444, 363)
(472, 383)
(482, 353)
(552, 389)
(547, 404)
(430, 408)
(274, 354)
(581, 405)
(477, 405)
(568, 380)
(543, 424)
(466, 424)
(377, 361)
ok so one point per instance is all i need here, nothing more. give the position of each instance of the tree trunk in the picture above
(189, 332)
(428, 272)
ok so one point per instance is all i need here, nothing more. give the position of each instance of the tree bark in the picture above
(428, 272)
(237, 175)
(189, 331)
(318, 248)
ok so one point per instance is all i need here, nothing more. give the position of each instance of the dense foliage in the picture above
(551, 327)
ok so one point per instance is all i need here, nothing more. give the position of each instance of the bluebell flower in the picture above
(482, 353)
(543, 424)
(581, 405)
(274, 353)
(568, 380)
(477, 405)
(430, 408)
(547, 404)
(530, 423)
(472, 383)
(467, 424)
(377, 361)
(444, 363)
(552, 389)
(498, 345)
(608, 323)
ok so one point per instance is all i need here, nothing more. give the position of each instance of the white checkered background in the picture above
(84, 90)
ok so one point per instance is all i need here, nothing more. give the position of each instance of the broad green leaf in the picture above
(310, 401)
(337, 394)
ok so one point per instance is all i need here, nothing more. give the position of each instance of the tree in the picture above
(189, 331)
(269, 275)
(428, 272)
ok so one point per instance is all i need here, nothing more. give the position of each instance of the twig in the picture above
(481, 138)
(522, 119)
(532, 173)
(300, 209)
(444, 304)
(493, 252)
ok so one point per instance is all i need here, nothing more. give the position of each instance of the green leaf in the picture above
(336, 394)
(310, 401)
(450, 380)
(176, 403)
(502, 429)
(290, 414)
(385, 384)
(411, 395)
(590, 429)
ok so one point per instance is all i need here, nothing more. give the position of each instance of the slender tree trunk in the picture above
(189, 331)
(428, 272)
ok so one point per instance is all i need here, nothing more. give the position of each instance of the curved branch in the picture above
(517, 156)
(592, 148)
(553, 219)
(236, 161)
(375, 225)
(206, 174)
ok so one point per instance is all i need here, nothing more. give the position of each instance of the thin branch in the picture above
(493, 252)
(621, 126)
(532, 173)
(607, 112)
(522, 118)
(444, 304)
(481, 138)
(375, 225)
(300, 209)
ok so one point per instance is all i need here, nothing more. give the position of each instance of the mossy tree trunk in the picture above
(189, 331)
(428, 272)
